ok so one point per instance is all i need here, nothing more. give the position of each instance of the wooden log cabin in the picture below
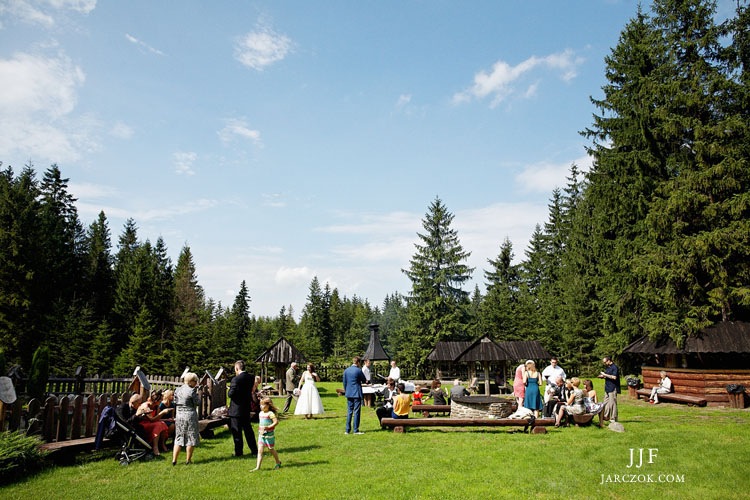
(703, 366)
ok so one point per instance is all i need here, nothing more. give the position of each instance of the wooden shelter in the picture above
(707, 362)
(279, 356)
(446, 356)
(484, 350)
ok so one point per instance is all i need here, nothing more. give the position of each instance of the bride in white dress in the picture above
(309, 402)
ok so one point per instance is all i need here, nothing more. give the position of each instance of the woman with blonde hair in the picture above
(532, 380)
(187, 401)
(574, 404)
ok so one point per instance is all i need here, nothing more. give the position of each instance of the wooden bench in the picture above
(399, 424)
(426, 410)
(675, 398)
(206, 426)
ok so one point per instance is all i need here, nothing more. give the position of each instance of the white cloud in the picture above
(293, 276)
(183, 162)
(39, 95)
(143, 45)
(42, 12)
(236, 128)
(501, 81)
(403, 100)
(261, 48)
(82, 6)
(544, 177)
(121, 131)
(89, 191)
(274, 200)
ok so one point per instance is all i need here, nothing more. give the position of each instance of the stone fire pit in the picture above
(482, 406)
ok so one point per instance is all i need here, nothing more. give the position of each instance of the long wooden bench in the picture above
(675, 398)
(426, 410)
(399, 424)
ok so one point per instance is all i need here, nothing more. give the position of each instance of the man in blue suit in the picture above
(353, 380)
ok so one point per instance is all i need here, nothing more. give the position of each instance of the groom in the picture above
(353, 380)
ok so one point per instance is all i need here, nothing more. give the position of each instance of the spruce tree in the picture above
(437, 302)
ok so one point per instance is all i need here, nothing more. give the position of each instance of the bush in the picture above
(20, 455)
(37, 386)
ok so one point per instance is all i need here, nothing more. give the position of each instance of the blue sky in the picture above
(283, 140)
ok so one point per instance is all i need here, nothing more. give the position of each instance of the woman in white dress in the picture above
(309, 402)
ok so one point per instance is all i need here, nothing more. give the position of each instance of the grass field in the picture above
(700, 453)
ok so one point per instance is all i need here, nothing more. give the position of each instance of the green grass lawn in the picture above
(704, 451)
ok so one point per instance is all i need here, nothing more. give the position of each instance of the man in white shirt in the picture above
(550, 375)
(366, 370)
(395, 372)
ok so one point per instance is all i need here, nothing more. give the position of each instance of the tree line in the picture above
(653, 240)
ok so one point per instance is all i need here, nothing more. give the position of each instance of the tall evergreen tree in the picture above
(313, 322)
(99, 271)
(437, 303)
(498, 311)
(20, 234)
(191, 333)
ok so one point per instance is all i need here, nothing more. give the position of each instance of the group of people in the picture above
(164, 414)
(308, 397)
(563, 396)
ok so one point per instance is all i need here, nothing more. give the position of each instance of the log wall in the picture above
(711, 384)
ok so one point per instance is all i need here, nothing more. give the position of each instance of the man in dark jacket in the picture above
(240, 394)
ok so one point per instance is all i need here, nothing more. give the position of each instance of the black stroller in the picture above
(132, 446)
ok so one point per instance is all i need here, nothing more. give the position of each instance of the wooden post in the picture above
(48, 430)
(91, 416)
(62, 419)
(75, 430)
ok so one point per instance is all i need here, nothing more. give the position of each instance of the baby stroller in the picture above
(132, 446)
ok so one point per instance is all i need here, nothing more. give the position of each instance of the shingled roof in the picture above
(446, 350)
(723, 337)
(483, 349)
(282, 352)
(525, 349)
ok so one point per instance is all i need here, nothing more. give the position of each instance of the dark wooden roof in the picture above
(525, 349)
(483, 349)
(282, 352)
(448, 350)
(723, 337)
(375, 349)
(516, 350)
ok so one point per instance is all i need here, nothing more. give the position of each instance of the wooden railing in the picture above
(65, 415)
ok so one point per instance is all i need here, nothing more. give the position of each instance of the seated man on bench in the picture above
(664, 387)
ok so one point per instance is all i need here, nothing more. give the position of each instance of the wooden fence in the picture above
(65, 415)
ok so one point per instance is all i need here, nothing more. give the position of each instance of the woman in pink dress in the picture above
(519, 389)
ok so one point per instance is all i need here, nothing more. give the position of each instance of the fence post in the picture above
(62, 419)
(75, 430)
(48, 430)
(91, 416)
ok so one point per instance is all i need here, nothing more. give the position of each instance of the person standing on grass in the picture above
(240, 394)
(519, 389)
(266, 434)
(353, 380)
(366, 371)
(187, 402)
(611, 376)
(395, 372)
(290, 383)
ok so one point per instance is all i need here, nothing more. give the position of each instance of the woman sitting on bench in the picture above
(574, 404)
(664, 387)
(151, 422)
